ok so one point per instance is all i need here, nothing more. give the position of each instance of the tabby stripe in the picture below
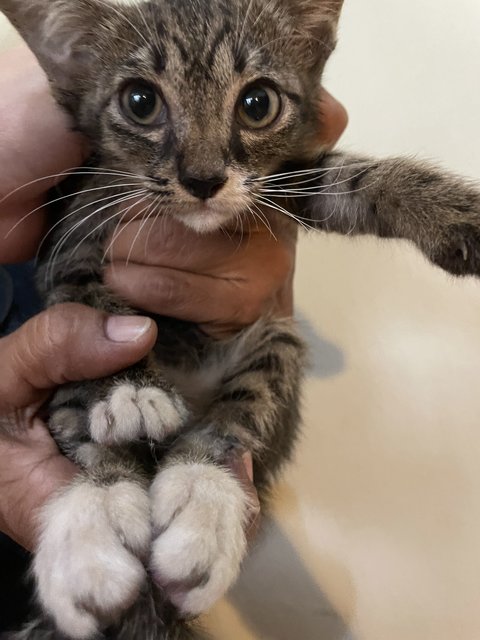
(128, 134)
(218, 41)
(239, 395)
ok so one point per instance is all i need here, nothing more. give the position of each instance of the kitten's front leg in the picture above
(398, 198)
(138, 403)
(95, 539)
(199, 508)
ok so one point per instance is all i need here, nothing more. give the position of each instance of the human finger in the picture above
(66, 343)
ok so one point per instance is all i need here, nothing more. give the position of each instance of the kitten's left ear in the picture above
(63, 36)
(317, 21)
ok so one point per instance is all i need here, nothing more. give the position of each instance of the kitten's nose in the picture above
(203, 188)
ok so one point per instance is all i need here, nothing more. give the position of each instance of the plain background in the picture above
(378, 521)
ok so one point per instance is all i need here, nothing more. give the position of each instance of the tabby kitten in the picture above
(202, 110)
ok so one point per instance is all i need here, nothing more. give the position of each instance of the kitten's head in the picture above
(200, 97)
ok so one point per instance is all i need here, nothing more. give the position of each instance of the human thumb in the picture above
(68, 343)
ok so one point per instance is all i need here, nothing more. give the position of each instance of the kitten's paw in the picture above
(199, 514)
(88, 564)
(130, 412)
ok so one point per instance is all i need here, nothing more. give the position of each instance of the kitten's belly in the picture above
(198, 383)
(197, 387)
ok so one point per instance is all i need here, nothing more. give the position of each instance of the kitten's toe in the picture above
(88, 565)
(199, 515)
(130, 412)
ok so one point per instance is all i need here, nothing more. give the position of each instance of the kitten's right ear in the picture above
(61, 34)
(317, 22)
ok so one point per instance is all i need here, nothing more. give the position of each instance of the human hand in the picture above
(63, 344)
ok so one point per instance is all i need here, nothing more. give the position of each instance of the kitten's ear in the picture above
(61, 33)
(317, 20)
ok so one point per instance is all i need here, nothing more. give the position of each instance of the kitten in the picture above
(202, 110)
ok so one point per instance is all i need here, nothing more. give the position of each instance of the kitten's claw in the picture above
(88, 565)
(199, 515)
(131, 412)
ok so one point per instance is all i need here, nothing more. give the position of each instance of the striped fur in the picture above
(156, 507)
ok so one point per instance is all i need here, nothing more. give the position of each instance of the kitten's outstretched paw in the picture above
(88, 565)
(130, 412)
(199, 514)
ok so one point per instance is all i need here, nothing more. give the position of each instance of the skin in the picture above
(222, 284)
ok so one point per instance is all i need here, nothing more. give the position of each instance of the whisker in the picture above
(146, 212)
(158, 201)
(118, 229)
(276, 207)
(69, 232)
(69, 195)
(75, 211)
(83, 171)
(263, 218)
(302, 172)
(307, 191)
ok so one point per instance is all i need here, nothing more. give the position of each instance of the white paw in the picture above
(130, 413)
(199, 512)
(87, 565)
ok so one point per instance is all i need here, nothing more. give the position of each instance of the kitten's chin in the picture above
(206, 221)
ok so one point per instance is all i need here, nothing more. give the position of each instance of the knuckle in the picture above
(167, 292)
(51, 338)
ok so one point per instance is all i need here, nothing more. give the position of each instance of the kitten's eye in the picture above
(141, 103)
(259, 107)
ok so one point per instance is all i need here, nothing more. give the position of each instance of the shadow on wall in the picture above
(326, 359)
(277, 597)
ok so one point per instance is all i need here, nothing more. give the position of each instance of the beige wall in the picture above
(381, 511)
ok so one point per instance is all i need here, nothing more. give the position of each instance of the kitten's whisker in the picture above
(289, 184)
(69, 195)
(307, 191)
(158, 202)
(293, 174)
(280, 209)
(65, 174)
(146, 212)
(99, 226)
(75, 211)
(242, 35)
(72, 230)
(118, 227)
(263, 219)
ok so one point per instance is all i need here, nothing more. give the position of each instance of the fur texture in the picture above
(205, 110)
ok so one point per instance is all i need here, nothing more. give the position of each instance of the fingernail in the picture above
(126, 328)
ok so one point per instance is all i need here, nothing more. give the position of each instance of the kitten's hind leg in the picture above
(95, 538)
(199, 508)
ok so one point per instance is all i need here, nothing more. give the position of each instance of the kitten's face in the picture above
(199, 97)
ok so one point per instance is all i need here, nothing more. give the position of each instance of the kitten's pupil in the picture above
(142, 102)
(256, 104)
(259, 107)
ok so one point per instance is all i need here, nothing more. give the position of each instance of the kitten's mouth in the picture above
(205, 216)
